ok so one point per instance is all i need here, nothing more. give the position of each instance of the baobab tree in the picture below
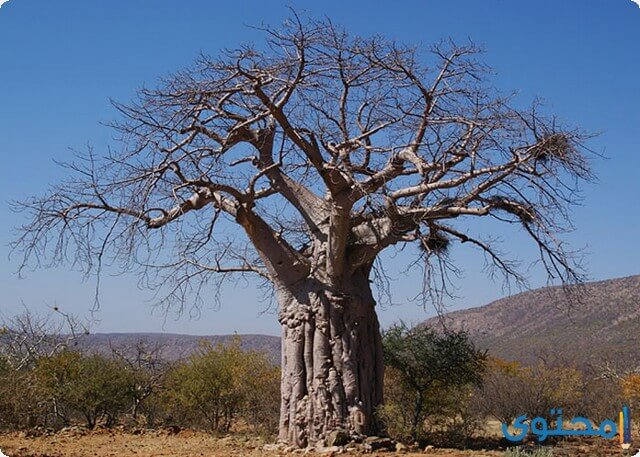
(300, 161)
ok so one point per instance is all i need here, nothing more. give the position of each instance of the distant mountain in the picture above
(541, 323)
(173, 346)
(522, 327)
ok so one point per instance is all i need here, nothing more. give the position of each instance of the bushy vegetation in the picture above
(215, 389)
(631, 390)
(439, 388)
(21, 404)
(219, 385)
(429, 382)
(511, 389)
(93, 387)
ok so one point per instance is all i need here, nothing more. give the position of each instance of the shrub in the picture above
(93, 387)
(427, 380)
(397, 411)
(454, 419)
(630, 385)
(539, 389)
(601, 399)
(260, 390)
(221, 384)
(146, 370)
(21, 403)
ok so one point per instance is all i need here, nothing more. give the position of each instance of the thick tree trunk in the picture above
(332, 367)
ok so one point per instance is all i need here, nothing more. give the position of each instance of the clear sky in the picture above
(60, 62)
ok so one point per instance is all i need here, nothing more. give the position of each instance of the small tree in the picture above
(429, 364)
(27, 338)
(146, 369)
(93, 387)
(601, 399)
(201, 392)
(219, 384)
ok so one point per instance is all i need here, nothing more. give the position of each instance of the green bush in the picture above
(94, 387)
(21, 402)
(222, 385)
(217, 387)
(427, 382)
(397, 411)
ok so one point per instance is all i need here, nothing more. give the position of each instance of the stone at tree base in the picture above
(331, 450)
(352, 447)
(274, 447)
(337, 438)
(401, 447)
(429, 448)
(375, 443)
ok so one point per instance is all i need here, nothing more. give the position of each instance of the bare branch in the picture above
(325, 149)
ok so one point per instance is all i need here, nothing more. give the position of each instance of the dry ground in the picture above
(186, 443)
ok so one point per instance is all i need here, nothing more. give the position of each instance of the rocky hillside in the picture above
(523, 327)
(605, 325)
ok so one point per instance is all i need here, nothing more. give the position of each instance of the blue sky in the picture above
(60, 62)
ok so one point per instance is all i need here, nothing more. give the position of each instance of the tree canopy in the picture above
(326, 149)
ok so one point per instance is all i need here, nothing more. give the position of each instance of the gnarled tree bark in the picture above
(331, 360)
